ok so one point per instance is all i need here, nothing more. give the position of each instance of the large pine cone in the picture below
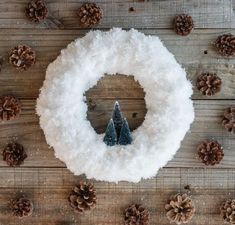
(9, 107)
(89, 14)
(21, 207)
(210, 152)
(228, 121)
(22, 57)
(136, 215)
(183, 24)
(83, 197)
(209, 83)
(180, 209)
(228, 211)
(14, 154)
(36, 10)
(225, 45)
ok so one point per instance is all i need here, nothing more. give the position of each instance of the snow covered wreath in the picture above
(63, 111)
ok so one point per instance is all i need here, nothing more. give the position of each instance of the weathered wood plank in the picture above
(49, 189)
(206, 125)
(148, 14)
(189, 51)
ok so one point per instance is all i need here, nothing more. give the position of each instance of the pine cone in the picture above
(22, 57)
(9, 107)
(183, 24)
(14, 154)
(89, 14)
(21, 207)
(180, 209)
(210, 152)
(228, 121)
(228, 211)
(208, 83)
(225, 45)
(36, 10)
(83, 197)
(136, 215)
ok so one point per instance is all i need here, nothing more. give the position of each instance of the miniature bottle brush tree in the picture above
(117, 131)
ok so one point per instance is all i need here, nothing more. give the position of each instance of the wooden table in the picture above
(45, 179)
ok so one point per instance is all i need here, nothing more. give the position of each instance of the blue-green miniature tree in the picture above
(125, 134)
(117, 118)
(110, 137)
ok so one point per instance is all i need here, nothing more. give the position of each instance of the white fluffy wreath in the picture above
(63, 112)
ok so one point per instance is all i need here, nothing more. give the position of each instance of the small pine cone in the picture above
(183, 24)
(14, 154)
(209, 84)
(83, 197)
(225, 45)
(9, 107)
(89, 14)
(228, 211)
(22, 57)
(228, 121)
(36, 10)
(21, 207)
(180, 209)
(136, 215)
(210, 152)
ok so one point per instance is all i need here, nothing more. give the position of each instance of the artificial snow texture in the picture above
(63, 111)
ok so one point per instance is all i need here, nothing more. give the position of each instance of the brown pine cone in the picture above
(89, 14)
(36, 10)
(209, 83)
(210, 152)
(83, 197)
(21, 207)
(22, 57)
(9, 107)
(228, 211)
(228, 121)
(14, 154)
(183, 24)
(136, 215)
(180, 209)
(225, 45)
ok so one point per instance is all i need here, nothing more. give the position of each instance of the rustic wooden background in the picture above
(45, 179)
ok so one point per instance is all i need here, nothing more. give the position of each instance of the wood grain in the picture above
(189, 51)
(45, 180)
(26, 130)
(149, 14)
(49, 189)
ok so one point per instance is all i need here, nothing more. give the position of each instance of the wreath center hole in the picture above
(110, 88)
